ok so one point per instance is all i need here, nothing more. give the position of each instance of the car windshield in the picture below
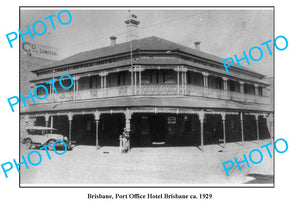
(41, 131)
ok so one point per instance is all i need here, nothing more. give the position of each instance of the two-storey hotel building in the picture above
(162, 92)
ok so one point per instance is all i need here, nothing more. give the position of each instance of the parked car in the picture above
(41, 136)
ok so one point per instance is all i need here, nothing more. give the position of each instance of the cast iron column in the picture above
(223, 114)
(257, 127)
(70, 118)
(75, 89)
(128, 115)
(201, 116)
(178, 79)
(47, 119)
(97, 118)
(242, 126)
(205, 79)
(241, 87)
(225, 87)
(51, 121)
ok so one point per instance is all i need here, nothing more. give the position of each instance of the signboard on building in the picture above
(172, 120)
(39, 51)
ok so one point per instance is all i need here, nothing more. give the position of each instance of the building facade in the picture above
(162, 92)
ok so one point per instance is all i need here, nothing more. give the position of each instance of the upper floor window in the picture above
(169, 76)
(41, 91)
(249, 89)
(66, 83)
(233, 86)
(215, 82)
(260, 91)
(147, 76)
(159, 77)
(94, 81)
(194, 78)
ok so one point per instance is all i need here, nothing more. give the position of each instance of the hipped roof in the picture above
(152, 43)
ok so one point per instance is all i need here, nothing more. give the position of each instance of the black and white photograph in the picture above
(149, 106)
(141, 97)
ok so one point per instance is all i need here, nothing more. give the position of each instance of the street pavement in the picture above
(148, 166)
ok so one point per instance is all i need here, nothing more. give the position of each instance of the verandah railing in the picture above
(154, 90)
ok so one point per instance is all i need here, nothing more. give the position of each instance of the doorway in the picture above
(158, 129)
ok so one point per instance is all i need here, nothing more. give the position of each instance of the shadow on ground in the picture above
(259, 178)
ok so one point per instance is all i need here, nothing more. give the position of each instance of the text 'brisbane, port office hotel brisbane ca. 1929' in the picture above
(162, 92)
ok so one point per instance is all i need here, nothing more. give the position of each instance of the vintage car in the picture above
(41, 136)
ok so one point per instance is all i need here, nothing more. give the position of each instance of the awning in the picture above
(136, 101)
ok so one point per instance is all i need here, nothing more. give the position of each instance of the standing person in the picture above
(126, 142)
(215, 135)
(121, 143)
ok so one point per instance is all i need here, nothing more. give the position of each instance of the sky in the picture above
(222, 32)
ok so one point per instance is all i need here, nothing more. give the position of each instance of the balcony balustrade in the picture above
(155, 90)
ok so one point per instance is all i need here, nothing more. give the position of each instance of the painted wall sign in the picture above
(40, 51)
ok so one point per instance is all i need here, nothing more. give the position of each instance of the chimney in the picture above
(197, 45)
(132, 27)
(113, 40)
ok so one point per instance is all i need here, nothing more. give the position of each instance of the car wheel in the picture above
(50, 147)
(28, 143)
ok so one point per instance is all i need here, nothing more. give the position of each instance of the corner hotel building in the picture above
(164, 93)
